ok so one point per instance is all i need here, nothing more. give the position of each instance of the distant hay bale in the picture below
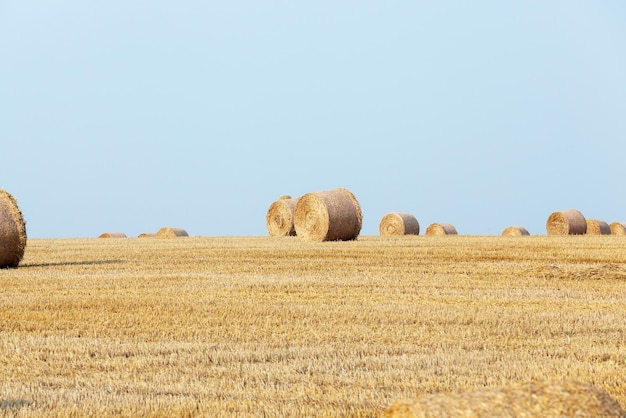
(441, 229)
(285, 196)
(538, 399)
(618, 228)
(597, 227)
(112, 235)
(398, 223)
(279, 219)
(329, 215)
(566, 222)
(515, 231)
(146, 235)
(12, 231)
(167, 232)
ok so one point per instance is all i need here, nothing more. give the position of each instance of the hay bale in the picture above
(329, 215)
(547, 399)
(441, 229)
(566, 222)
(618, 228)
(146, 235)
(285, 196)
(12, 231)
(398, 223)
(167, 232)
(597, 227)
(279, 217)
(515, 231)
(112, 235)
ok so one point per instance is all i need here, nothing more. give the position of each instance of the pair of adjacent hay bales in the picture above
(546, 399)
(398, 223)
(328, 215)
(112, 235)
(12, 231)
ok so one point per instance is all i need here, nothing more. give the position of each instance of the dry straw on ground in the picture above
(329, 215)
(597, 227)
(538, 399)
(167, 232)
(398, 223)
(618, 228)
(279, 218)
(112, 235)
(146, 235)
(12, 231)
(441, 229)
(566, 222)
(515, 231)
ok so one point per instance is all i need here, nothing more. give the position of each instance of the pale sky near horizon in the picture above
(133, 115)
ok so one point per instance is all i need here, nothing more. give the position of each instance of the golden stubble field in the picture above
(266, 326)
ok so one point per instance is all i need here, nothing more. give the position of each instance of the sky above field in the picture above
(133, 115)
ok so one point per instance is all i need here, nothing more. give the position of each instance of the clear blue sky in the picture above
(133, 115)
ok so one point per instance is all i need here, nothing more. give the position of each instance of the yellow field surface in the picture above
(266, 326)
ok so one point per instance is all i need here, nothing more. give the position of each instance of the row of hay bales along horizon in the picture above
(335, 215)
(165, 232)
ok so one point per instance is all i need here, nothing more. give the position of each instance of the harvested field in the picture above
(277, 326)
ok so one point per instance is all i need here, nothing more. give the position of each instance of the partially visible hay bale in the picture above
(285, 196)
(279, 217)
(618, 228)
(537, 399)
(167, 232)
(515, 231)
(329, 215)
(12, 231)
(112, 235)
(597, 227)
(146, 235)
(566, 222)
(441, 229)
(398, 223)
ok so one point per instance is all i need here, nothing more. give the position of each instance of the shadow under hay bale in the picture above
(515, 231)
(618, 228)
(597, 227)
(538, 399)
(329, 215)
(279, 219)
(167, 232)
(398, 223)
(12, 231)
(566, 222)
(441, 230)
(112, 235)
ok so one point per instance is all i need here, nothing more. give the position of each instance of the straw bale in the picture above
(146, 235)
(597, 227)
(618, 228)
(112, 235)
(515, 231)
(167, 232)
(398, 223)
(285, 196)
(566, 222)
(12, 231)
(441, 229)
(328, 215)
(546, 399)
(279, 217)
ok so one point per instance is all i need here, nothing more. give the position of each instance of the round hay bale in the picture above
(112, 235)
(515, 231)
(537, 399)
(441, 229)
(566, 222)
(12, 231)
(167, 232)
(285, 196)
(329, 215)
(279, 218)
(597, 227)
(398, 223)
(618, 228)
(146, 235)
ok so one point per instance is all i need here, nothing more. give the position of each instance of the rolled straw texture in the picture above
(398, 223)
(597, 227)
(167, 232)
(538, 399)
(112, 235)
(618, 228)
(515, 231)
(441, 229)
(566, 222)
(279, 218)
(329, 215)
(12, 231)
